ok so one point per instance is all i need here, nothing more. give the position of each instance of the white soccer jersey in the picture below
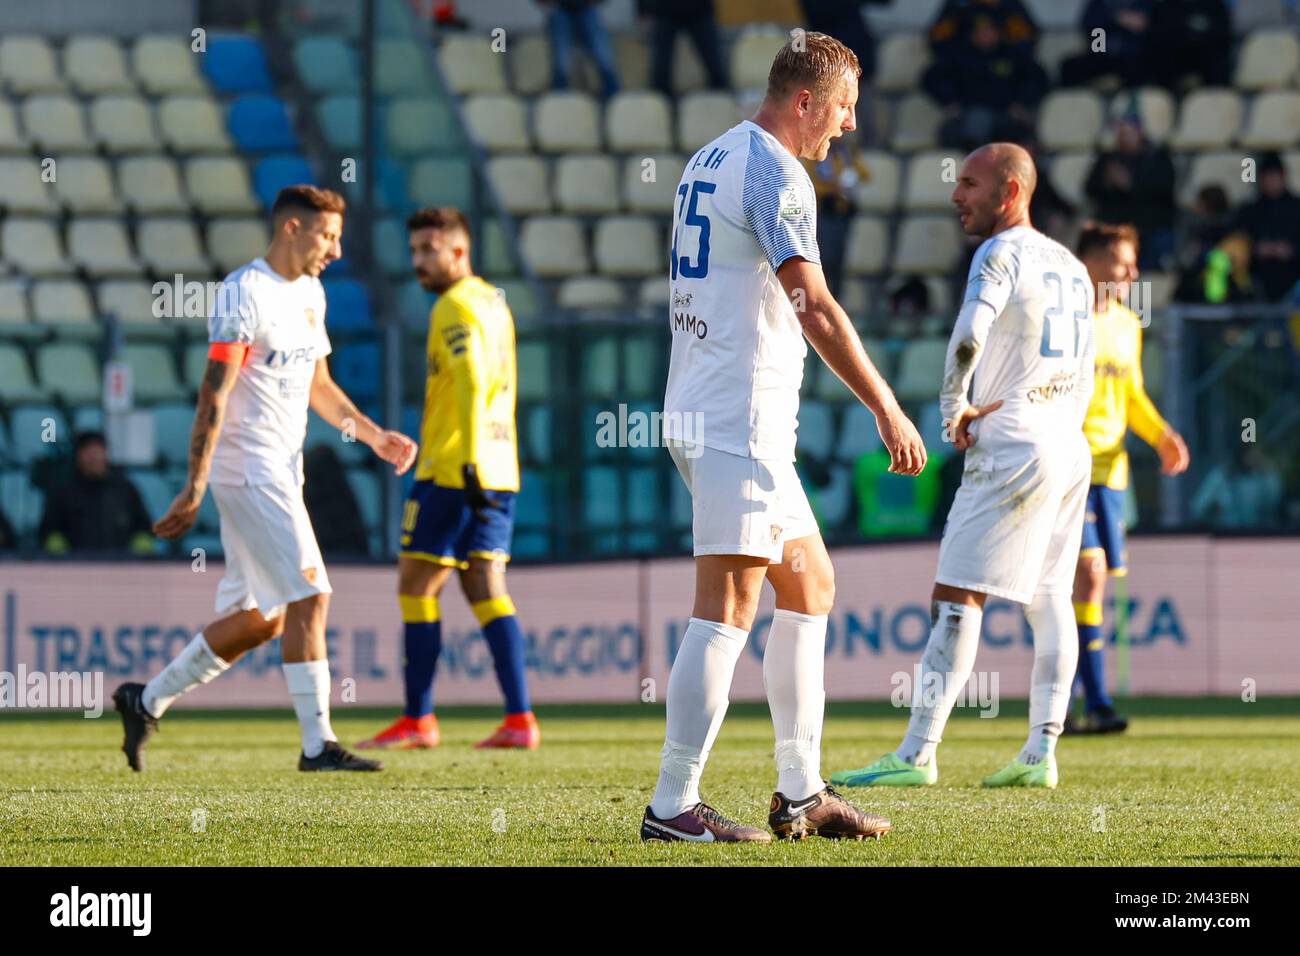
(283, 323)
(1023, 337)
(744, 206)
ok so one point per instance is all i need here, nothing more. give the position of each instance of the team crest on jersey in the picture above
(791, 204)
(311, 318)
(776, 533)
(682, 300)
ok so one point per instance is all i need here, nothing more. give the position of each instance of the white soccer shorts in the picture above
(270, 549)
(1014, 532)
(743, 505)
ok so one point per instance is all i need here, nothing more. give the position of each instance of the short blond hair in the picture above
(810, 61)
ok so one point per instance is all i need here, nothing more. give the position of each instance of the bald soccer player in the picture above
(1015, 388)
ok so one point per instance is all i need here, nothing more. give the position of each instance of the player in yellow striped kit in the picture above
(1119, 402)
(460, 513)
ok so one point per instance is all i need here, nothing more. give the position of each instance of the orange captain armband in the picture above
(232, 353)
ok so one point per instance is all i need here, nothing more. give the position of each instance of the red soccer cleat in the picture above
(517, 730)
(407, 733)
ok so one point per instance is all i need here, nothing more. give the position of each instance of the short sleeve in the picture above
(993, 275)
(234, 315)
(323, 345)
(780, 206)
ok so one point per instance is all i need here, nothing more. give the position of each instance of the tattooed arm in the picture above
(218, 380)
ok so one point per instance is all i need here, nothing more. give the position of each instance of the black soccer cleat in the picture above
(334, 757)
(138, 724)
(1105, 720)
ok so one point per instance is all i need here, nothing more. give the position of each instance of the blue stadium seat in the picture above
(260, 123)
(357, 367)
(832, 502)
(390, 188)
(393, 254)
(87, 418)
(930, 424)
(602, 497)
(27, 432)
(680, 504)
(327, 64)
(533, 506)
(236, 64)
(172, 425)
(643, 499)
(413, 305)
(321, 432)
(155, 489)
(273, 173)
(347, 306)
(816, 429)
(365, 485)
(23, 502)
(858, 433)
(535, 433)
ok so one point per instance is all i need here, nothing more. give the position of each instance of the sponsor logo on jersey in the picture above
(682, 300)
(1061, 384)
(311, 318)
(283, 358)
(791, 204)
(684, 322)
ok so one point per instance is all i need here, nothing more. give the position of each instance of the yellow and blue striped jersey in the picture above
(1119, 399)
(469, 397)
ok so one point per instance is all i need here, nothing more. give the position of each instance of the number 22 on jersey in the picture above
(1053, 333)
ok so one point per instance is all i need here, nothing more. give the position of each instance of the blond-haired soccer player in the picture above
(266, 365)
(460, 513)
(747, 290)
(1119, 402)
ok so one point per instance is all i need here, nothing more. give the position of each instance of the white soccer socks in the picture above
(945, 667)
(1056, 655)
(196, 664)
(697, 701)
(309, 686)
(794, 663)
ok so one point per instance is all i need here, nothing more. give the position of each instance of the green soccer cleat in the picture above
(1017, 774)
(890, 770)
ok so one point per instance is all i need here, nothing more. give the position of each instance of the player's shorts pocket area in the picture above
(438, 526)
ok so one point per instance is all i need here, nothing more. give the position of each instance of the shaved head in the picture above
(985, 198)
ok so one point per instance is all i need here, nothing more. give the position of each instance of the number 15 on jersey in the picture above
(688, 197)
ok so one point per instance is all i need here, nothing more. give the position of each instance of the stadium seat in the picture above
(816, 433)
(602, 498)
(16, 381)
(151, 185)
(153, 374)
(366, 488)
(33, 246)
(926, 245)
(471, 65)
(131, 302)
(156, 489)
(931, 178)
(534, 371)
(70, 372)
(640, 122)
(1055, 47)
(123, 124)
(555, 246)
(650, 182)
(1219, 169)
(589, 292)
(498, 123)
(521, 183)
(901, 59)
(348, 306)
(834, 502)
(273, 173)
(1070, 119)
(442, 181)
(260, 123)
(88, 418)
(12, 138)
(339, 118)
(391, 248)
(688, 70)
(867, 246)
(654, 292)
(321, 432)
(327, 64)
(1069, 173)
(879, 191)
(358, 369)
(701, 117)
(233, 242)
(920, 369)
(1268, 59)
(644, 497)
(599, 365)
(528, 61)
(192, 124)
(1155, 109)
(419, 126)
(628, 246)
(520, 298)
(22, 190)
(390, 187)
(237, 64)
(751, 57)
(27, 65)
(587, 184)
(15, 313)
(36, 430)
(96, 64)
(1291, 161)
(858, 433)
(56, 124)
(1274, 121)
(632, 57)
(535, 434)
(24, 503)
(101, 247)
(566, 122)
(219, 185)
(533, 506)
(165, 64)
(1208, 119)
(916, 123)
(400, 67)
(169, 246)
(194, 362)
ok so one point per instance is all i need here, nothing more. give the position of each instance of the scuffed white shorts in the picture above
(1014, 531)
(743, 505)
(270, 549)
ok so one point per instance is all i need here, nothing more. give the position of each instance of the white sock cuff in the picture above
(305, 677)
(682, 762)
(963, 611)
(723, 636)
(798, 617)
(206, 650)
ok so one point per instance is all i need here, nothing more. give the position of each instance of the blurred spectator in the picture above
(834, 179)
(845, 22)
(1272, 221)
(695, 18)
(8, 537)
(1208, 271)
(987, 91)
(1190, 38)
(950, 32)
(332, 504)
(1134, 182)
(1245, 493)
(566, 19)
(1049, 211)
(98, 509)
(910, 299)
(1126, 33)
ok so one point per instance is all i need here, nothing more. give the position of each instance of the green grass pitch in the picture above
(1194, 782)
